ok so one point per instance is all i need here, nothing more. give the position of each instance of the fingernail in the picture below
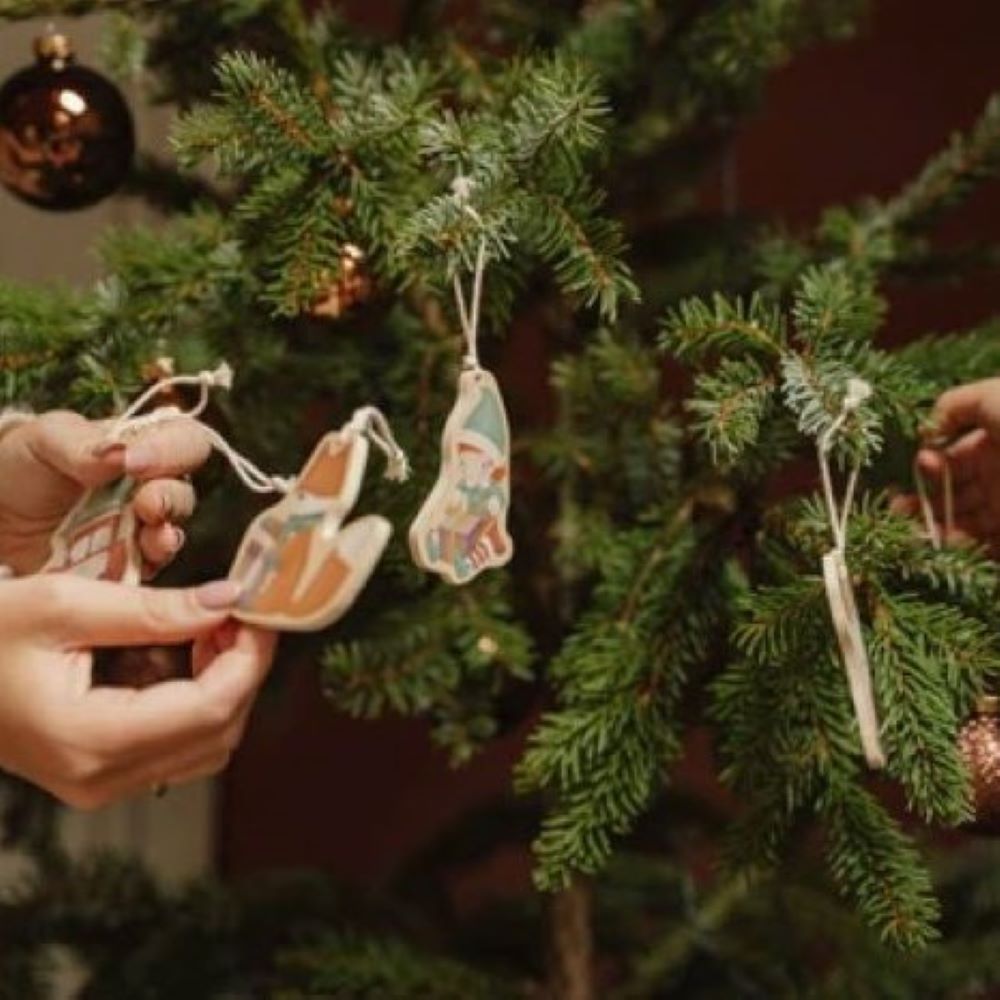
(108, 450)
(218, 595)
(138, 458)
(177, 542)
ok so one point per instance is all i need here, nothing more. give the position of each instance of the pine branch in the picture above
(919, 721)
(873, 861)
(877, 234)
(834, 307)
(695, 329)
(729, 408)
(349, 965)
(438, 657)
(604, 753)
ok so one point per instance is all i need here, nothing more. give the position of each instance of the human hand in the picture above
(90, 745)
(47, 463)
(968, 417)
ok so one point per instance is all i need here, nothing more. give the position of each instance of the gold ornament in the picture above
(352, 286)
(979, 745)
(158, 370)
(488, 646)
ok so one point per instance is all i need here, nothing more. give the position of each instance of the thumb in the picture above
(962, 409)
(80, 613)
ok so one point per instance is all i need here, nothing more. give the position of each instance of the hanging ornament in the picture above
(97, 539)
(352, 286)
(839, 588)
(299, 567)
(461, 529)
(979, 745)
(66, 133)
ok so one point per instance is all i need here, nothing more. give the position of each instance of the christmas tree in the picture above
(668, 576)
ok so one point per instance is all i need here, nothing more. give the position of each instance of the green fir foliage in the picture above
(667, 578)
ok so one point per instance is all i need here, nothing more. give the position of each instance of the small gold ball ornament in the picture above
(351, 286)
(979, 745)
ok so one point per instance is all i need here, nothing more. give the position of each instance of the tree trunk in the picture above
(571, 975)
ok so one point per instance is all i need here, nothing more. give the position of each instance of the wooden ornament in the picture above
(299, 567)
(97, 539)
(461, 529)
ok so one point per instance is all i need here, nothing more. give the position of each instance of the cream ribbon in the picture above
(840, 590)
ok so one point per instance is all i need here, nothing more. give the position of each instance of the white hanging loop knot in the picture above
(371, 421)
(132, 421)
(858, 391)
(469, 314)
(837, 579)
(934, 533)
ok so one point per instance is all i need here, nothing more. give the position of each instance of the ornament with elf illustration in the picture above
(66, 135)
(299, 566)
(461, 529)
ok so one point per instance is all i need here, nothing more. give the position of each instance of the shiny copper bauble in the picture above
(352, 285)
(979, 745)
(66, 134)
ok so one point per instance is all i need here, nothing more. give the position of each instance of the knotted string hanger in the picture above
(221, 377)
(131, 421)
(837, 579)
(858, 390)
(371, 421)
(469, 313)
(368, 421)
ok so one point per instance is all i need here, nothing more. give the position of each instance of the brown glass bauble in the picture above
(66, 134)
(979, 745)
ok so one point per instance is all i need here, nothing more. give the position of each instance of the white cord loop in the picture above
(469, 316)
(371, 421)
(221, 378)
(934, 532)
(837, 579)
(858, 391)
(252, 477)
(132, 421)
